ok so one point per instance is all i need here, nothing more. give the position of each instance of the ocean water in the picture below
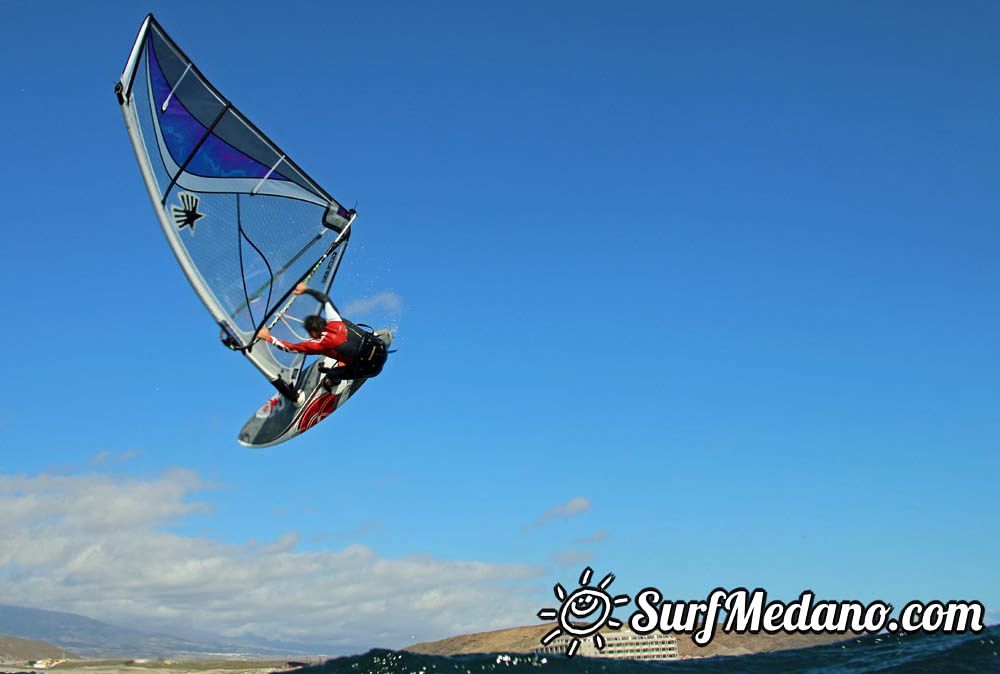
(913, 654)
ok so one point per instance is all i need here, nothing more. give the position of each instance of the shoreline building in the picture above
(620, 644)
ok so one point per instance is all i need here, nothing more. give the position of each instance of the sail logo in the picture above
(583, 613)
(187, 213)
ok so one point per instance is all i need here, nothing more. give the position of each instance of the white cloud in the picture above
(564, 511)
(386, 300)
(104, 457)
(97, 545)
(572, 558)
(598, 536)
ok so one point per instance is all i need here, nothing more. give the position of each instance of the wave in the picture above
(885, 654)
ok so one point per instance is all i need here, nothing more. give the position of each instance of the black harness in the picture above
(364, 353)
(371, 355)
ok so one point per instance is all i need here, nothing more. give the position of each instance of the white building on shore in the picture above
(621, 644)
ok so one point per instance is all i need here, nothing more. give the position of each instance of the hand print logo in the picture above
(583, 612)
(187, 213)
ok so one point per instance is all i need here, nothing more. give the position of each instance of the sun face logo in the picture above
(187, 213)
(583, 612)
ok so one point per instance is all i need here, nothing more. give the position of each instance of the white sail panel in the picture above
(245, 222)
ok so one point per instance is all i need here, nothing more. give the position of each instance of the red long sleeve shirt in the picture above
(333, 336)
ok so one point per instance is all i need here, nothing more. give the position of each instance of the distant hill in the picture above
(523, 639)
(511, 640)
(15, 649)
(89, 638)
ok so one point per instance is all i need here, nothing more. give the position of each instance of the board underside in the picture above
(280, 419)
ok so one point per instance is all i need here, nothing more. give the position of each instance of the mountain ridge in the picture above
(16, 649)
(89, 638)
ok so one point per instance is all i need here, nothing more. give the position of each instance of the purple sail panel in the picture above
(217, 158)
(180, 130)
(182, 133)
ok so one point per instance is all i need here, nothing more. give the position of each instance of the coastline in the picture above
(139, 666)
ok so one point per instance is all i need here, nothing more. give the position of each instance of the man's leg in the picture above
(335, 375)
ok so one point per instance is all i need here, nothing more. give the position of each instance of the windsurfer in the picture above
(358, 352)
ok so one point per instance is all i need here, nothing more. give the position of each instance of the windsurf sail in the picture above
(244, 221)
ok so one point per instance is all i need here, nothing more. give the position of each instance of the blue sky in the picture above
(701, 294)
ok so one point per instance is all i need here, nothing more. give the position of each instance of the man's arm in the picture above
(330, 311)
(292, 347)
(298, 347)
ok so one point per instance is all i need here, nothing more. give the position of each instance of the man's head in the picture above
(315, 325)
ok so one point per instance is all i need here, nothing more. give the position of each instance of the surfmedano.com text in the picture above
(750, 613)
